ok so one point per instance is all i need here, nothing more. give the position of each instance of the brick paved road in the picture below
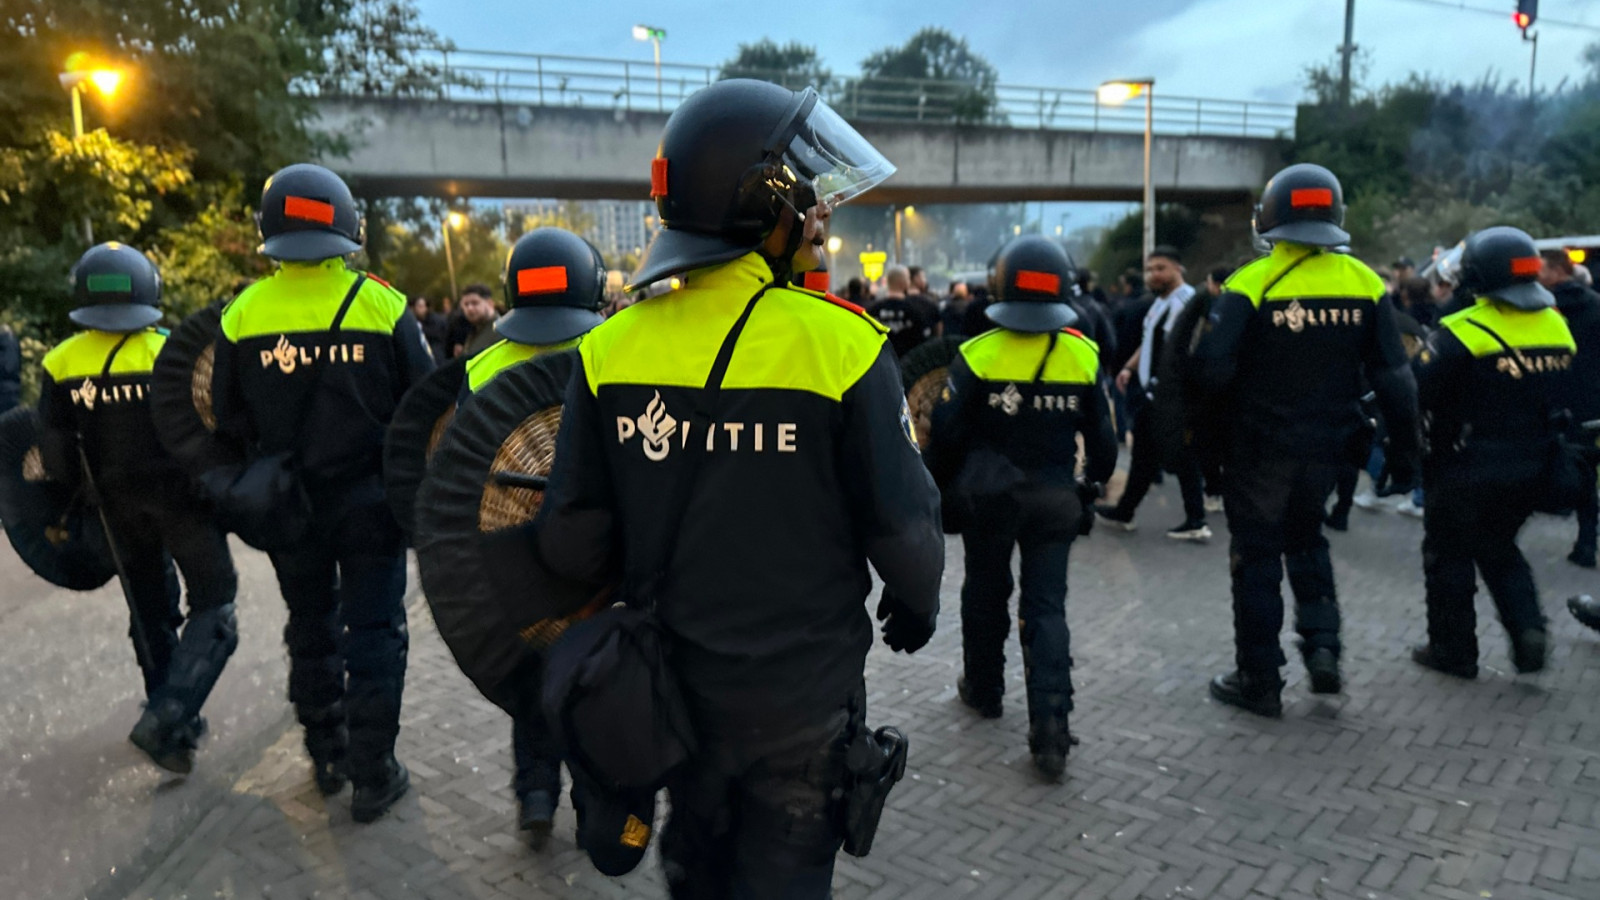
(1411, 785)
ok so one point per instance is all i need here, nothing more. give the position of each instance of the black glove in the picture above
(904, 630)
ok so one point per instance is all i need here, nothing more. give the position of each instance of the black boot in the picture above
(1425, 655)
(1322, 664)
(1050, 741)
(372, 799)
(327, 742)
(1338, 519)
(538, 794)
(167, 739)
(1585, 609)
(1251, 694)
(1529, 649)
(170, 729)
(985, 705)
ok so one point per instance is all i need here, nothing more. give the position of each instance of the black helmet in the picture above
(1031, 281)
(1303, 204)
(1502, 263)
(116, 289)
(732, 157)
(555, 284)
(307, 215)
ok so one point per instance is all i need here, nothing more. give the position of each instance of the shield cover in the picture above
(47, 522)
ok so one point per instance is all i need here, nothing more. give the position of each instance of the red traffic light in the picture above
(1522, 19)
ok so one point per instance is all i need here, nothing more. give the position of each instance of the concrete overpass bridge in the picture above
(508, 125)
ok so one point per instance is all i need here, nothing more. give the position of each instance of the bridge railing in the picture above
(596, 83)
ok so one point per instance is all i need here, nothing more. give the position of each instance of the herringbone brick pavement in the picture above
(1409, 785)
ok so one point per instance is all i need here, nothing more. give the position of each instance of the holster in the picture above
(874, 763)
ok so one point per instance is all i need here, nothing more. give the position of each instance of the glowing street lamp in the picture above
(1116, 93)
(654, 35)
(453, 220)
(106, 81)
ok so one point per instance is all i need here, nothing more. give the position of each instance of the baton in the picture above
(521, 480)
(141, 647)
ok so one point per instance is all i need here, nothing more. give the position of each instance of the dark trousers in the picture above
(152, 532)
(1469, 524)
(1145, 466)
(759, 823)
(1275, 513)
(1588, 509)
(1042, 521)
(537, 758)
(347, 637)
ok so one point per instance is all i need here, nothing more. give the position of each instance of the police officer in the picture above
(94, 405)
(1006, 430)
(555, 285)
(1580, 306)
(809, 471)
(1488, 382)
(311, 362)
(1288, 342)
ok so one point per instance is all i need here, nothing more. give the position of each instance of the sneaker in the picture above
(1194, 530)
(1407, 508)
(1213, 504)
(1529, 649)
(1237, 689)
(1323, 666)
(1585, 609)
(1113, 518)
(1424, 655)
(1581, 557)
(371, 800)
(1368, 501)
(983, 706)
(1338, 520)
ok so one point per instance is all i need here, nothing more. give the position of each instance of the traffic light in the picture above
(1527, 12)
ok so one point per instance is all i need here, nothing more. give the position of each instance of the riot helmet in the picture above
(308, 215)
(116, 289)
(1302, 204)
(1502, 263)
(1031, 282)
(555, 285)
(733, 157)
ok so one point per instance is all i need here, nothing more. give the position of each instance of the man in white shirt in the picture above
(1163, 273)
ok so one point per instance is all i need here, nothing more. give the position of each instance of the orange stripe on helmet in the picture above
(543, 280)
(1527, 265)
(308, 210)
(1042, 282)
(658, 177)
(1311, 198)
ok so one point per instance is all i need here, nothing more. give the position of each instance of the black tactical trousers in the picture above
(1042, 521)
(1469, 524)
(536, 756)
(1275, 512)
(759, 822)
(152, 531)
(347, 638)
(1588, 509)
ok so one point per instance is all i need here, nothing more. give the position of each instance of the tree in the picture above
(793, 65)
(934, 76)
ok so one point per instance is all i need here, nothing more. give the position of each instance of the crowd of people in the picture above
(725, 653)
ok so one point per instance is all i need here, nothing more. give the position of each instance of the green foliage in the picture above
(793, 65)
(934, 76)
(204, 259)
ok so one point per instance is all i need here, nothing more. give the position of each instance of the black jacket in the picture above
(1580, 393)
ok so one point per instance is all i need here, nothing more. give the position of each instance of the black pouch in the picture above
(263, 501)
(874, 762)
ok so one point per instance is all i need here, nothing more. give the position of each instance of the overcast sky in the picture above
(1232, 49)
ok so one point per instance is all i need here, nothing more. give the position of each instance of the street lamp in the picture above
(654, 35)
(106, 81)
(1116, 93)
(835, 243)
(453, 220)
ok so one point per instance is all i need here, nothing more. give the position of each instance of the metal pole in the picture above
(1149, 185)
(141, 645)
(1533, 64)
(1347, 51)
(899, 243)
(77, 138)
(449, 260)
(661, 105)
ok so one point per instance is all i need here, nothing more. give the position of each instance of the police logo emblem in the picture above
(1009, 400)
(657, 426)
(906, 425)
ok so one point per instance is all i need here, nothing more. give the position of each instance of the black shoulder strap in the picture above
(112, 356)
(1285, 273)
(344, 308)
(1517, 358)
(1049, 349)
(315, 391)
(699, 426)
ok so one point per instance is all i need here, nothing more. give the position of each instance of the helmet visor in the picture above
(833, 158)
